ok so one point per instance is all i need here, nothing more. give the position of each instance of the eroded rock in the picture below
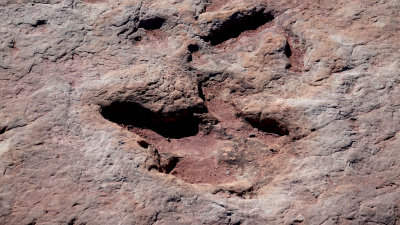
(199, 112)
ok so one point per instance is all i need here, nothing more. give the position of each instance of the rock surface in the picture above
(199, 112)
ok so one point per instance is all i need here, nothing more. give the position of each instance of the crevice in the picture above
(151, 23)
(137, 38)
(39, 23)
(201, 93)
(33, 222)
(143, 144)
(193, 48)
(127, 31)
(345, 68)
(295, 52)
(169, 125)
(189, 58)
(248, 193)
(135, 29)
(339, 69)
(72, 221)
(269, 125)
(238, 23)
(3, 130)
(288, 53)
(288, 50)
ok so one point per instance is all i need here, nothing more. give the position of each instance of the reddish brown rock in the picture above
(199, 112)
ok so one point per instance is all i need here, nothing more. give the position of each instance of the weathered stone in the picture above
(199, 112)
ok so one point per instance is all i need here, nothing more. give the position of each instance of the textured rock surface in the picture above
(199, 112)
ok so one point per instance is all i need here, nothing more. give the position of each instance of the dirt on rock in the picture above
(207, 156)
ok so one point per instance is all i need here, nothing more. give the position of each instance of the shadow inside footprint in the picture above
(171, 125)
